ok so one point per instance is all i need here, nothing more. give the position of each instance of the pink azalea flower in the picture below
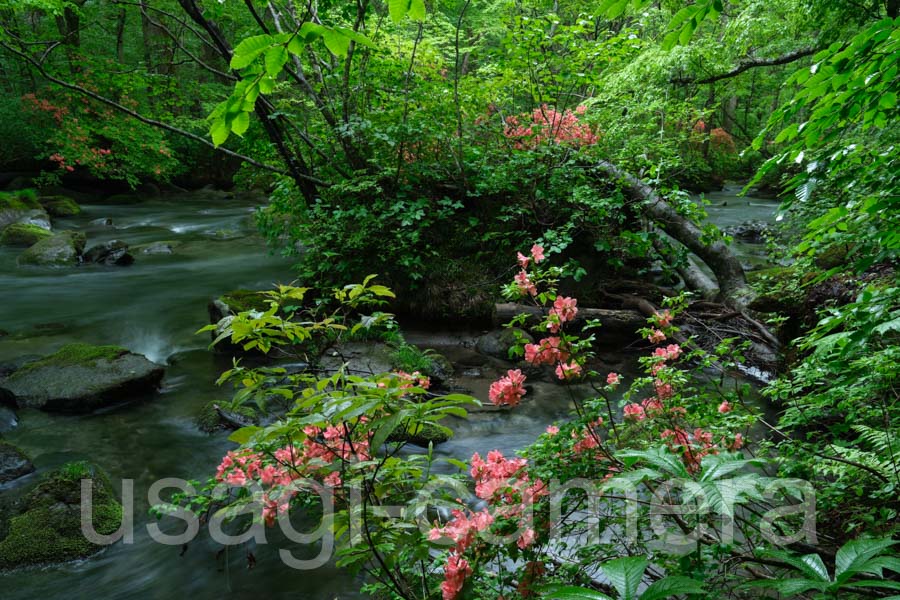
(508, 390)
(634, 412)
(524, 283)
(663, 319)
(568, 370)
(523, 260)
(537, 252)
(552, 429)
(724, 407)
(526, 539)
(656, 336)
(564, 308)
(613, 378)
(455, 572)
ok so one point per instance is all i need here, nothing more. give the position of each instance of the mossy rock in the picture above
(23, 235)
(45, 526)
(838, 255)
(13, 462)
(18, 206)
(422, 437)
(19, 201)
(244, 300)
(60, 206)
(209, 420)
(81, 378)
(60, 250)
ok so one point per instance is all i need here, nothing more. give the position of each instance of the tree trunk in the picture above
(120, 36)
(733, 288)
(623, 321)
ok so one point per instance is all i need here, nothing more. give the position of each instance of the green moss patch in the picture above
(60, 206)
(244, 300)
(422, 436)
(19, 200)
(45, 526)
(23, 234)
(76, 355)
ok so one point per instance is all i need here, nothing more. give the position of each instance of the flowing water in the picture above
(154, 307)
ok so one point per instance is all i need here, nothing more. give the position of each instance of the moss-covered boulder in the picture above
(80, 378)
(61, 250)
(59, 206)
(23, 235)
(44, 527)
(212, 418)
(13, 462)
(16, 205)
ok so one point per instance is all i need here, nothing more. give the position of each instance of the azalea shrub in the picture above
(661, 465)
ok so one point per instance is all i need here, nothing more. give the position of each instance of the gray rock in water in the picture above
(13, 463)
(752, 232)
(498, 343)
(102, 222)
(62, 250)
(81, 378)
(157, 248)
(37, 217)
(9, 367)
(113, 252)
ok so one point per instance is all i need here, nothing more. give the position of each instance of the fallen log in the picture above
(624, 321)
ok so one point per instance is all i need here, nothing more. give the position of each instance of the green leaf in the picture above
(570, 592)
(219, 130)
(417, 10)
(250, 49)
(243, 435)
(625, 574)
(336, 42)
(275, 59)
(240, 124)
(672, 586)
(852, 556)
(398, 9)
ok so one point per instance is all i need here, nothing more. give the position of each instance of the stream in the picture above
(154, 307)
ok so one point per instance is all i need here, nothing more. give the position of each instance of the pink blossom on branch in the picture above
(524, 283)
(537, 253)
(508, 390)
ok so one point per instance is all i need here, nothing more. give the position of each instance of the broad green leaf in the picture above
(417, 10)
(570, 592)
(275, 59)
(336, 42)
(250, 49)
(240, 124)
(625, 574)
(398, 9)
(243, 435)
(672, 586)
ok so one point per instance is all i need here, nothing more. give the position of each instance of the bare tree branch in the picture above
(746, 65)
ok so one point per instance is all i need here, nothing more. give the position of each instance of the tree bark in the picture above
(615, 321)
(733, 288)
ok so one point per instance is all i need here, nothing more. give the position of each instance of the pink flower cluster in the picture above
(523, 282)
(563, 310)
(314, 456)
(570, 370)
(414, 379)
(508, 390)
(507, 487)
(547, 123)
(546, 352)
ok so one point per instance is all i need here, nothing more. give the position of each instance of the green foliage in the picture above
(856, 563)
(626, 576)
